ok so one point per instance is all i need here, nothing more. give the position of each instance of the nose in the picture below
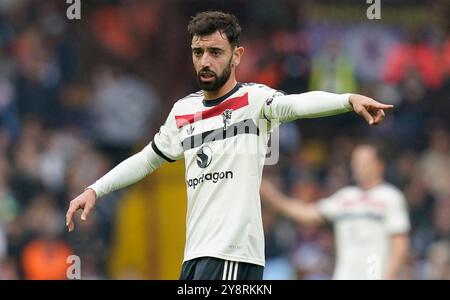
(205, 60)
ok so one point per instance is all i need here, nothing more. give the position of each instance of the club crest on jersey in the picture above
(190, 130)
(226, 115)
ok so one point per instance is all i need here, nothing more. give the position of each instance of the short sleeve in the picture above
(397, 218)
(166, 142)
(329, 207)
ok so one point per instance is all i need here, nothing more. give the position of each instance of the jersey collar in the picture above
(214, 102)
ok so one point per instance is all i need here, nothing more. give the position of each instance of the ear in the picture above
(237, 54)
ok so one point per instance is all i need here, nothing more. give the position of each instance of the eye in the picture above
(197, 52)
(215, 52)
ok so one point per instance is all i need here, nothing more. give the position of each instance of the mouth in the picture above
(207, 76)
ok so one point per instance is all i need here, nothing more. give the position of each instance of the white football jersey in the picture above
(363, 224)
(224, 144)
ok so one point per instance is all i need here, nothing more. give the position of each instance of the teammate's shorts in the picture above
(211, 268)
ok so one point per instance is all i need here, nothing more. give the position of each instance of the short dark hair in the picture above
(208, 22)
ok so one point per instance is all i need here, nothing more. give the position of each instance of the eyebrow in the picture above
(208, 48)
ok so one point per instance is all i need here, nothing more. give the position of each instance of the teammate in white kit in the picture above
(221, 133)
(370, 219)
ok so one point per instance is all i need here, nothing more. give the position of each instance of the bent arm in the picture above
(399, 254)
(307, 105)
(128, 172)
(291, 208)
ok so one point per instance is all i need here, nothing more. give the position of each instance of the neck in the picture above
(228, 86)
(371, 183)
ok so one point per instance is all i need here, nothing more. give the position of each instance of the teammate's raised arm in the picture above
(292, 208)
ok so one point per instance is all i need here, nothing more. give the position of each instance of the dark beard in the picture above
(219, 80)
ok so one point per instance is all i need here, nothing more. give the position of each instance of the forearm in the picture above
(394, 266)
(128, 172)
(307, 105)
(284, 205)
(399, 254)
(295, 210)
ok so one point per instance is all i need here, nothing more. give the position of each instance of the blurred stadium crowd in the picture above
(77, 97)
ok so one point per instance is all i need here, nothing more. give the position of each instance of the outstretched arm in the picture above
(320, 104)
(298, 211)
(124, 174)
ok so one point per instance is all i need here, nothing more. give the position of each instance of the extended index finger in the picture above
(87, 209)
(382, 105)
(69, 215)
